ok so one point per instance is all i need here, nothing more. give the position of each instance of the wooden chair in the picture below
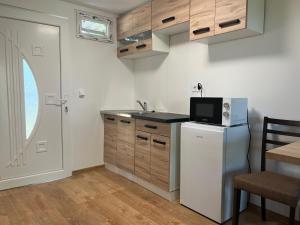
(269, 185)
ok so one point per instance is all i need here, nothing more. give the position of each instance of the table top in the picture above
(288, 153)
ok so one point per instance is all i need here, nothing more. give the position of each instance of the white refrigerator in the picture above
(210, 157)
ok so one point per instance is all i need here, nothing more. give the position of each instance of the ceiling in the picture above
(113, 6)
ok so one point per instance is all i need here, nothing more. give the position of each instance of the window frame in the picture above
(80, 15)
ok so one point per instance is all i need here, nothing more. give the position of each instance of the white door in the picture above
(201, 169)
(30, 106)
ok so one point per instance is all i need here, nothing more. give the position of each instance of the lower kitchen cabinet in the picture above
(145, 152)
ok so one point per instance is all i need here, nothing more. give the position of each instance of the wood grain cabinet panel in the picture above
(202, 21)
(126, 50)
(160, 161)
(125, 156)
(141, 19)
(126, 130)
(110, 139)
(142, 155)
(124, 26)
(166, 13)
(230, 15)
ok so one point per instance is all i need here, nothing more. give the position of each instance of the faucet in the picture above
(143, 105)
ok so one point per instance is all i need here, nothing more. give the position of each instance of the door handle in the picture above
(159, 142)
(141, 46)
(201, 31)
(169, 19)
(142, 138)
(150, 126)
(230, 23)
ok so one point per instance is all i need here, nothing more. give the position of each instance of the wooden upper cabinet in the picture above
(166, 13)
(202, 21)
(230, 15)
(135, 22)
(141, 19)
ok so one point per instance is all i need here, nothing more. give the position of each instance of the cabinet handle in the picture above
(141, 137)
(124, 50)
(230, 23)
(150, 126)
(111, 119)
(201, 31)
(169, 19)
(141, 46)
(159, 142)
(125, 121)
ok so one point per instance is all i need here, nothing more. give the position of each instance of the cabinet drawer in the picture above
(166, 13)
(141, 19)
(230, 15)
(142, 155)
(125, 156)
(126, 50)
(160, 161)
(110, 119)
(202, 21)
(153, 127)
(126, 130)
(143, 46)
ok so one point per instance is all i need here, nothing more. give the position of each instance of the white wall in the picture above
(109, 83)
(265, 69)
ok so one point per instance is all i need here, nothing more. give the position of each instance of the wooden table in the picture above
(288, 153)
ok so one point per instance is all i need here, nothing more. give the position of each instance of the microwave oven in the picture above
(219, 111)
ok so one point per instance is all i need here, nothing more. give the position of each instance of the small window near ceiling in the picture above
(94, 27)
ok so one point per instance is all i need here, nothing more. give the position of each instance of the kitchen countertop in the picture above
(161, 117)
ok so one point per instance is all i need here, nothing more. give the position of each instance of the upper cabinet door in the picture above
(125, 26)
(166, 13)
(202, 21)
(230, 15)
(141, 19)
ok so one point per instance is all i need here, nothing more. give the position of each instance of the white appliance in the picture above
(210, 157)
(219, 111)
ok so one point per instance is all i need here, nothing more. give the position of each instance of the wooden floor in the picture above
(99, 197)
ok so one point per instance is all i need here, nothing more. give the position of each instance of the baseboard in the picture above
(170, 196)
(87, 169)
(34, 179)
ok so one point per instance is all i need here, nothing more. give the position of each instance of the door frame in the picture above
(17, 13)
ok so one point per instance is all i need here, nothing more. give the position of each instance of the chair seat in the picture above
(271, 185)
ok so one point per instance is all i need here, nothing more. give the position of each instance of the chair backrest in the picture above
(277, 132)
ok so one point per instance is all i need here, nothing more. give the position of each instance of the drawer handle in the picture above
(230, 23)
(111, 119)
(150, 126)
(125, 121)
(141, 46)
(142, 138)
(201, 31)
(159, 142)
(124, 50)
(169, 19)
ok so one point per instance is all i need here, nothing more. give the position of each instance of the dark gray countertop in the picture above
(161, 117)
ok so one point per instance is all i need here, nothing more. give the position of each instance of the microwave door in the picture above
(206, 110)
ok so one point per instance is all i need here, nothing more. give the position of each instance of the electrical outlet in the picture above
(196, 89)
(41, 146)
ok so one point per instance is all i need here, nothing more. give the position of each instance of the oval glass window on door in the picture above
(31, 99)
